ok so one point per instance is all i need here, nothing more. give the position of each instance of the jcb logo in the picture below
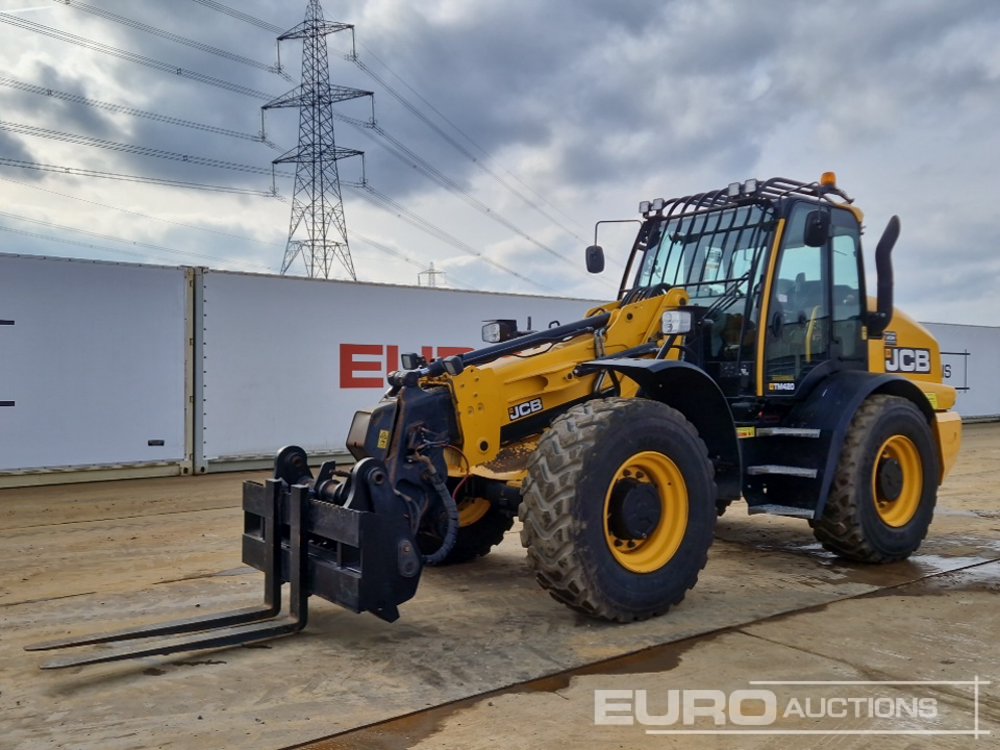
(907, 360)
(523, 410)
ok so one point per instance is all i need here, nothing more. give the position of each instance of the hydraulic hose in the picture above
(450, 507)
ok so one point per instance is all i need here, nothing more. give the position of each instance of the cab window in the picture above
(798, 337)
(848, 295)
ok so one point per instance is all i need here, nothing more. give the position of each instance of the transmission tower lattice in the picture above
(318, 230)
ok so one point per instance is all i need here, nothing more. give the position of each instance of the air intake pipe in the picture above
(879, 320)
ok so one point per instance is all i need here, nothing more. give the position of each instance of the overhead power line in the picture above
(454, 143)
(139, 214)
(408, 156)
(246, 91)
(131, 148)
(113, 238)
(395, 94)
(79, 172)
(131, 111)
(238, 14)
(80, 243)
(90, 44)
(416, 112)
(378, 199)
(156, 31)
(468, 139)
(385, 202)
(404, 257)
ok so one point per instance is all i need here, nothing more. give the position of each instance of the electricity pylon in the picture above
(317, 231)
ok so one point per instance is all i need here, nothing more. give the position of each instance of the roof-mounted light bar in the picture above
(742, 189)
(655, 206)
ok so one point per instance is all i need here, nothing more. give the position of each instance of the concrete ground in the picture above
(482, 657)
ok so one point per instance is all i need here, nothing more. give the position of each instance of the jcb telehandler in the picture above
(742, 358)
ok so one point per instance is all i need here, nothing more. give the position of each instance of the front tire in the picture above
(619, 508)
(883, 495)
(482, 526)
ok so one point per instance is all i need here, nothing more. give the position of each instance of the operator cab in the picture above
(775, 276)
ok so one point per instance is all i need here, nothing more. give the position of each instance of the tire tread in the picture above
(550, 527)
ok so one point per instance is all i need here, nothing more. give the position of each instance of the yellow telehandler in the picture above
(743, 357)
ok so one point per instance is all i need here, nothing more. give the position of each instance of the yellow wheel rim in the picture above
(656, 550)
(471, 511)
(898, 509)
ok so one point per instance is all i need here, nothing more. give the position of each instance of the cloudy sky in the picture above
(542, 116)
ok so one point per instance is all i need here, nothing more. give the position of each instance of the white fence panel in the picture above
(971, 359)
(289, 360)
(92, 363)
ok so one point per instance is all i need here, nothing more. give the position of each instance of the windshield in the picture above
(711, 254)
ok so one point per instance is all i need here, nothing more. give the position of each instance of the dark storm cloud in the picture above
(12, 147)
(68, 116)
(34, 106)
(573, 81)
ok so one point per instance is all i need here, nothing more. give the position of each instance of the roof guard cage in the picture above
(768, 192)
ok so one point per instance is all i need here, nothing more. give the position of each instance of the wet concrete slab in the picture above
(470, 629)
(874, 641)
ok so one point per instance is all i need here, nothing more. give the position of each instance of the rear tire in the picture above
(883, 495)
(619, 508)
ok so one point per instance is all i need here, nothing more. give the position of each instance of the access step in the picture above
(782, 510)
(787, 471)
(795, 432)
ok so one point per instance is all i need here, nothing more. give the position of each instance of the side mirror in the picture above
(817, 230)
(595, 258)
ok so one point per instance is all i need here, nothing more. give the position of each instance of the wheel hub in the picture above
(897, 481)
(890, 479)
(635, 509)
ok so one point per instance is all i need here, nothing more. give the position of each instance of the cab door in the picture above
(814, 317)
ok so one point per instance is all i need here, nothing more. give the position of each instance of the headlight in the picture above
(357, 434)
(676, 321)
(496, 331)
(412, 361)
(491, 333)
